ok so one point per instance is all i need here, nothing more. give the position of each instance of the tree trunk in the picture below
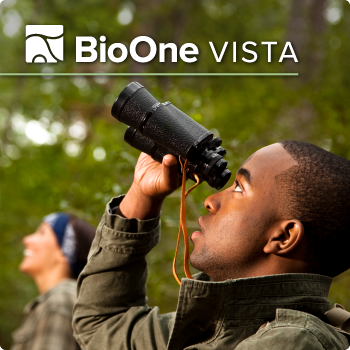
(306, 32)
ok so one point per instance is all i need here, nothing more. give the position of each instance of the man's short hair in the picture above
(317, 192)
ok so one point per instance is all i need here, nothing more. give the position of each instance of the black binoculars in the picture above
(160, 128)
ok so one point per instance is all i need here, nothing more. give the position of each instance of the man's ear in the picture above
(285, 237)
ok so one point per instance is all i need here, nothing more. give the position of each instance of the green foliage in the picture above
(83, 160)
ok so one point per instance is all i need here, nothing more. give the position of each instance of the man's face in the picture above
(235, 230)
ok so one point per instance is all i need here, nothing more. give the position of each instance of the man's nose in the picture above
(212, 203)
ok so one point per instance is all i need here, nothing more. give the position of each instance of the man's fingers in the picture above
(170, 173)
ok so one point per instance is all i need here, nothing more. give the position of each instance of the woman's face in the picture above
(42, 252)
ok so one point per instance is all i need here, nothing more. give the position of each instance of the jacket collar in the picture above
(205, 307)
(65, 284)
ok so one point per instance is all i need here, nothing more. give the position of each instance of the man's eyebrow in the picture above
(245, 173)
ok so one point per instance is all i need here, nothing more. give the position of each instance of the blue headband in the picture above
(58, 223)
(64, 232)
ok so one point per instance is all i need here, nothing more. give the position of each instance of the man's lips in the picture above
(195, 234)
(198, 233)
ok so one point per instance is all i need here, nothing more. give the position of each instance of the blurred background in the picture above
(60, 149)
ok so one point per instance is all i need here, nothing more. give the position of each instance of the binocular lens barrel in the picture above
(160, 128)
(143, 144)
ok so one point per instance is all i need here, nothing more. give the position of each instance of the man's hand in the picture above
(152, 183)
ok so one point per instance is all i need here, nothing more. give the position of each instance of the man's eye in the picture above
(238, 189)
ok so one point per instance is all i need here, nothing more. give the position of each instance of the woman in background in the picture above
(54, 256)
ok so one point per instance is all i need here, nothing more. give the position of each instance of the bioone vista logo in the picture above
(44, 43)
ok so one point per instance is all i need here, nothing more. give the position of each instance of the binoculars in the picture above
(160, 128)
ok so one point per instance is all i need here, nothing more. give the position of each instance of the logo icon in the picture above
(44, 43)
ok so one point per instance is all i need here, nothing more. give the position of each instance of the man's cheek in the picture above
(227, 229)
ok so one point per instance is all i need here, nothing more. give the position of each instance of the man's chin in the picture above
(197, 261)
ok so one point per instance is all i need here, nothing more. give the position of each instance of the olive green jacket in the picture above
(279, 312)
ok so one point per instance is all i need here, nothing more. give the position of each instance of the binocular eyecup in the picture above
(160, 128)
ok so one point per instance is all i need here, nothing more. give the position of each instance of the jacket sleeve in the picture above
(111, 310)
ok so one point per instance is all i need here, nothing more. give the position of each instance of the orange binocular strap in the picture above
(183, 226)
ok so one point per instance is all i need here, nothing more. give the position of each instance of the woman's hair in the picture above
(84, 235)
